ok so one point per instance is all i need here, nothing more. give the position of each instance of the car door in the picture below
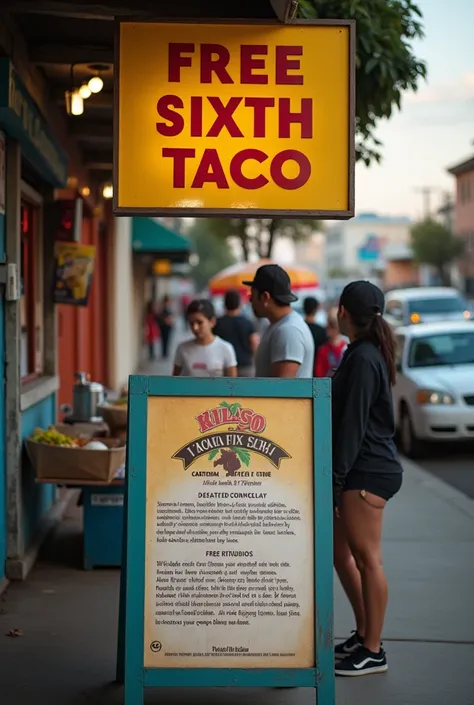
(398, 389)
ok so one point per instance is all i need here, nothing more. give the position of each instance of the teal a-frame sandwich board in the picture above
(286, 457)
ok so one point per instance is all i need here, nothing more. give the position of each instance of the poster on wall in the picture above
(73, 273)
(2, 172)
(229, 577)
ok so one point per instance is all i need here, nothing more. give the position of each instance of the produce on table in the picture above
(95, 445)
(52, 437)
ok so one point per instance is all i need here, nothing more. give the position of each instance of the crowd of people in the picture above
(357, 350)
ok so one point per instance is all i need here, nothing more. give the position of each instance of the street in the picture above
(452, 463)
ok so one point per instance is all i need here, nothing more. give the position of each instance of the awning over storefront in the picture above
(152, 238)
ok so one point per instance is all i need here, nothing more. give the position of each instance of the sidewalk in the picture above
(162, 367)
(68, 618)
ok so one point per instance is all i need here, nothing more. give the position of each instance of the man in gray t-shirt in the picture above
(287, 347)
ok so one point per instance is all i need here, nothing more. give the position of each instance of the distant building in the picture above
(310, 252)
(464, 219)
(397, 268)
(358, 247)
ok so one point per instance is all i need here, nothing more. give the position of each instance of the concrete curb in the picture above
(441, 489)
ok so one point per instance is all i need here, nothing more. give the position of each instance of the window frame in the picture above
(401, 343)
(32, 278)
(428, 337)
(399, 305)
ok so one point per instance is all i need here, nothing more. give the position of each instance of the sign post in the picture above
(235, 119)
(228, 549)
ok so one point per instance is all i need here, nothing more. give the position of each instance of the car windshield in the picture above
(442, 349)
(445, 304)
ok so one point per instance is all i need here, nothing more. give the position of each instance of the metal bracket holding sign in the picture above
(285, 10)
(227, 576)
(258, 123)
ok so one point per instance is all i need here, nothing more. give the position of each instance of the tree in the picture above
(385, 63)
(214, 252)
(257, 236)
(432, 243)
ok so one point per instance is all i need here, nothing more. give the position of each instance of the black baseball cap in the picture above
(362, 299)
(274, 279)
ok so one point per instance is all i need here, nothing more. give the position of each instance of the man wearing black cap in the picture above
(287, 346)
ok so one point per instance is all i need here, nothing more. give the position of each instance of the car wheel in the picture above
(410, 444)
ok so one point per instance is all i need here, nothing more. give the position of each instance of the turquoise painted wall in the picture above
(3, 512)
(37, 499)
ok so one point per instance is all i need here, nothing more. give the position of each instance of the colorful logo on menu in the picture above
(231, 447)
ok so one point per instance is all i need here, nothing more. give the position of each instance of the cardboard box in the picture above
(64, 466)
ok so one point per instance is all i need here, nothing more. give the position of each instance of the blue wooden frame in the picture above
(130, 662)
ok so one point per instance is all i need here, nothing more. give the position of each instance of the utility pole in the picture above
(426, 192)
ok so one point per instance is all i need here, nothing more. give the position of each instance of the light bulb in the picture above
(77, 104)
(108, 191)
(96, 84)
(84, 91)
(86, 191)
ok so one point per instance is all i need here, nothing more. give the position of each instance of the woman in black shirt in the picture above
(366, 470)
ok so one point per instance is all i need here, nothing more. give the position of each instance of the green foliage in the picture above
(233, 408)
(243, 455)
(385, 64)
(432, 243)
(258, 235)
(213, 454)
(213, 251)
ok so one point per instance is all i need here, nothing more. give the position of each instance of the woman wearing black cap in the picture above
(366, 471)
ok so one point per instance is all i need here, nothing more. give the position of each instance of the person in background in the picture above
(286, 348)
(185, 301)
(240, 332)
(310, 308)
(329, 355)
(366, 471)
(152, 332)
(165, 323)
(206, 355)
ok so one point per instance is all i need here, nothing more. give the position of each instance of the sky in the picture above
(435, 127)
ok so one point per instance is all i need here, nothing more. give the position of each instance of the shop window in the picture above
(31, 301)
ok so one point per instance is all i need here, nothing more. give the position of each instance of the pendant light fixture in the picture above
(108, 191)
(84, 91)
(96, 83)
(74, 102)
(73, 98)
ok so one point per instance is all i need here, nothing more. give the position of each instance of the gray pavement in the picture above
(66, 654)
(453, 463)
(163, 367)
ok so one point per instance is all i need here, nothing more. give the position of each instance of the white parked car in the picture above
(434, 393)
(404, 307)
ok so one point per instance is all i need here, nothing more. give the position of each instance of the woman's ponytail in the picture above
(380, 334)
(377, 330)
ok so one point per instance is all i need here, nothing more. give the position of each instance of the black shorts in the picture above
(384, 485)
